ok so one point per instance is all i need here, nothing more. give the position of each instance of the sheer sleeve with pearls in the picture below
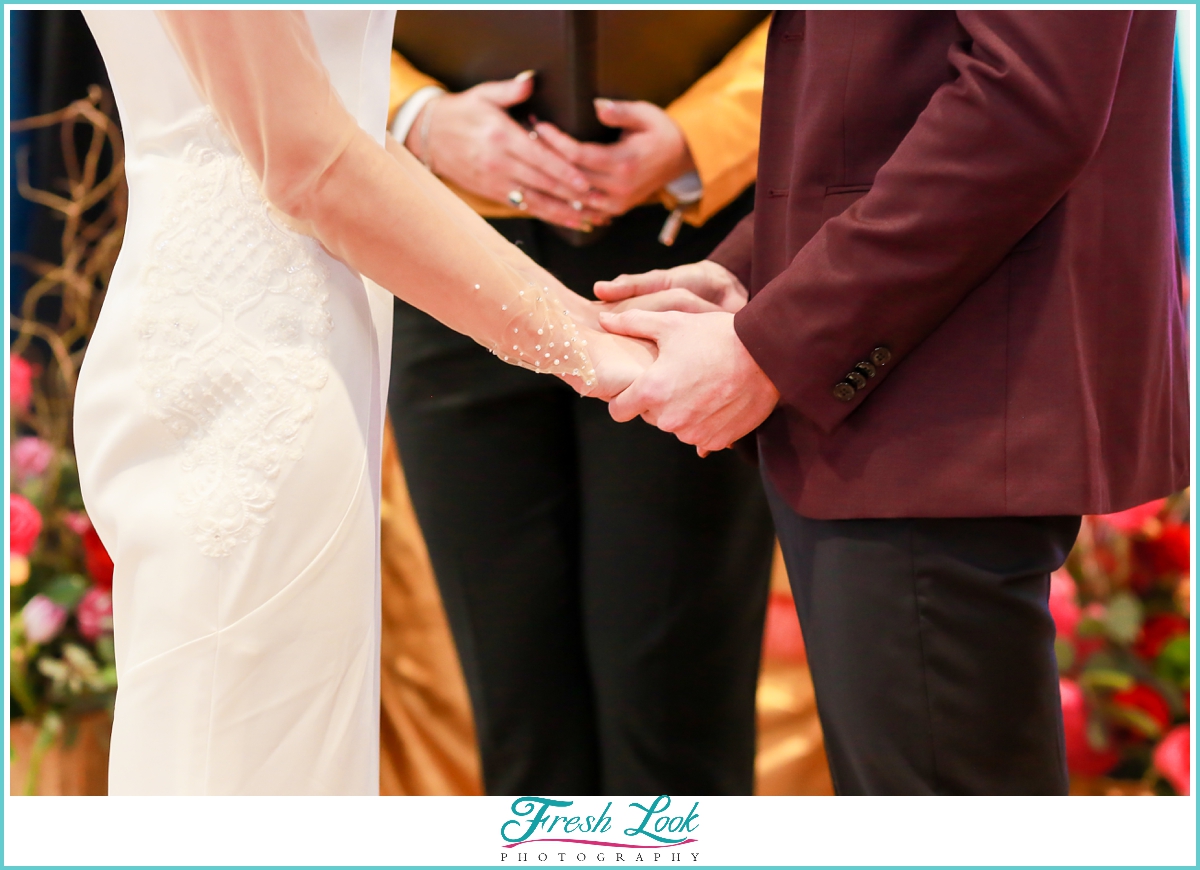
(378, 210)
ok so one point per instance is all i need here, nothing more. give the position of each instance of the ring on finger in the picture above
(517, 197)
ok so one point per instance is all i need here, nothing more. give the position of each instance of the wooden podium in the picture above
(578, 55)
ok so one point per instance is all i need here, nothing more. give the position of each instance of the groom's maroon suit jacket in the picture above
(977, 207)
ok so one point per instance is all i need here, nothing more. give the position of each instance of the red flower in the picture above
(94, 613)
(96, 558)
(1173, 758)
(1064, 606)
(20, 382)
(1134, 519)
(25, 524)
(1145, 700)
(1157, 632)
(1082, 758)
(1171, 551)
(781, 637)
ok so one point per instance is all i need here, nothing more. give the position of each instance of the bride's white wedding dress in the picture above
(230, 408)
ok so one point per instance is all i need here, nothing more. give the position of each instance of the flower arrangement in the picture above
(1121, 607)
(60, 577)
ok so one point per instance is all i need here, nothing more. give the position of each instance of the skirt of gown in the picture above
(228, 423)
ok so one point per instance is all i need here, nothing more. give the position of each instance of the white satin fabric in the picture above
(228, 424)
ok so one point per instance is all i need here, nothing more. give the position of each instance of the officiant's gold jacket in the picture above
(719, 116)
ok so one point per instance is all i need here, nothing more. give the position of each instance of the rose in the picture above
(1168, 553)
(1173, 758)
(94, 613)
(1082, 757)
(24, 525)
(1157, 632)
(1064, 607)
(77, 521)
(30, 458)
(20, 382)
(1135, 519)
(1145, 710)
(97, 561)
(43, 619)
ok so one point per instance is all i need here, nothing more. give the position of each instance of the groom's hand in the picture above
(704, 387)
(706, 281)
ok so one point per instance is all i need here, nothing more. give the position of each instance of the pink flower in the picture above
(25, 524)
(1064, 607)
(1083, 759)
(30, 458)
(1173, 758)
(1134, 519)
(20, 382)
(94, 613)
(77, 521)
(43, 619)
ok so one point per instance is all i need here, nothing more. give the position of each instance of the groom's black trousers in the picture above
(932, 649)
(605, 586)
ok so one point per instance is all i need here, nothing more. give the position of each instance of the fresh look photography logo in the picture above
(541, 830)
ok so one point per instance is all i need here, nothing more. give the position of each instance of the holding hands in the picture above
(704, 386)
(662, 343)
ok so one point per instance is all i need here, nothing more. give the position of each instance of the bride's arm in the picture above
(384, 214)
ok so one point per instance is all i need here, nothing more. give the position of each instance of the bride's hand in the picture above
(616, 360)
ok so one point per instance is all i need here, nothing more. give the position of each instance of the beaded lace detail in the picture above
(540, 338)
(231, 331)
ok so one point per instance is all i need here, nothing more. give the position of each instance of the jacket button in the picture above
(844, 392)
(857, 379)
(866, 368)
(881, 356)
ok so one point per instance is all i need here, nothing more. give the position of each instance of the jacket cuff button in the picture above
(866, 368)
(857, 380)
(844, 392)
(881, 356)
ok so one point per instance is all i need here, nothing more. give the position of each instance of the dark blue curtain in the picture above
(54, 61)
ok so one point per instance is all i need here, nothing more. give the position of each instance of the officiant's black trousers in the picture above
(932, 650)
(606, 587)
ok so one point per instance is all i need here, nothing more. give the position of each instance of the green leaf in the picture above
(1104, 678)
(104, 649)
(1097, 736)
(1064, 651)
(66, 590)
(1123, 618)
(1139, 720)
(1174, 663)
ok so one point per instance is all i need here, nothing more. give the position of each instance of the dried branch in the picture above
(59, 310)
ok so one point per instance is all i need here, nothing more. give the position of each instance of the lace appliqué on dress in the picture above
(231, 333)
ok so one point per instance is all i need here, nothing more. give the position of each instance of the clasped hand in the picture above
(703, 386)
(470, 139)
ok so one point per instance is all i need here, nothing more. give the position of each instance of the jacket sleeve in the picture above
(997, 146)
(736, 251)
(379, 211)
(406, 81)
(719, 116)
